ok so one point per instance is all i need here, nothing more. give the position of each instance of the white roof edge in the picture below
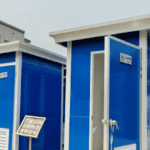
(99, 24)
(131, 24)
(31, 49)
(43, 50)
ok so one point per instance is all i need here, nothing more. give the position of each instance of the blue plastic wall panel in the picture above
(41, 96)
(124, 105)
(7, 100)
(148, 93)
(7, 57)
(80, 91)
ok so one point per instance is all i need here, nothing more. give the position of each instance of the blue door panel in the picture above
(79, 133)
(7, 100)
(125, 94)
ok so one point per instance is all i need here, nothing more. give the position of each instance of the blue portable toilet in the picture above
(32, 82)
(107, 85)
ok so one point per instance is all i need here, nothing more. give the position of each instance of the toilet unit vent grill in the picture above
(4, 138)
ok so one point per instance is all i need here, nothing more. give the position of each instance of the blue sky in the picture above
(39, 17)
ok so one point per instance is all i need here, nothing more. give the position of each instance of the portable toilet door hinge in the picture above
(141, 72)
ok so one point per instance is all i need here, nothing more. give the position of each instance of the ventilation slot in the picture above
(4, 139)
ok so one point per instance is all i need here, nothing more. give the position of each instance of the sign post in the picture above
(30, 143)
(31, 127)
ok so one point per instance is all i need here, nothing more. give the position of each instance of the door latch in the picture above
(113, 123)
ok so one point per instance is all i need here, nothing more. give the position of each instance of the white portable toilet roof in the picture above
(31, 49)
(136, 23)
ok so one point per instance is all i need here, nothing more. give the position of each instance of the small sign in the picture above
(31, 126)
(127, 59)
(3, 75)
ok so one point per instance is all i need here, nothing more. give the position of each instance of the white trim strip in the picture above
(91, 100)
(106, 92)
(124, 42)
(16, 118)
(97, 52)
(143, 100)
(8, 64)
(67, 102)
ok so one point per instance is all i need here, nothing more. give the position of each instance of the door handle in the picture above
(104, 121)
(111, 123)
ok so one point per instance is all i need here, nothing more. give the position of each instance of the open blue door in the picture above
(121, 95)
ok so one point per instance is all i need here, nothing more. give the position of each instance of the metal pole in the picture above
(30, 143)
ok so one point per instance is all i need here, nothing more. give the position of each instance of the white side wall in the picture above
(6, 33)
